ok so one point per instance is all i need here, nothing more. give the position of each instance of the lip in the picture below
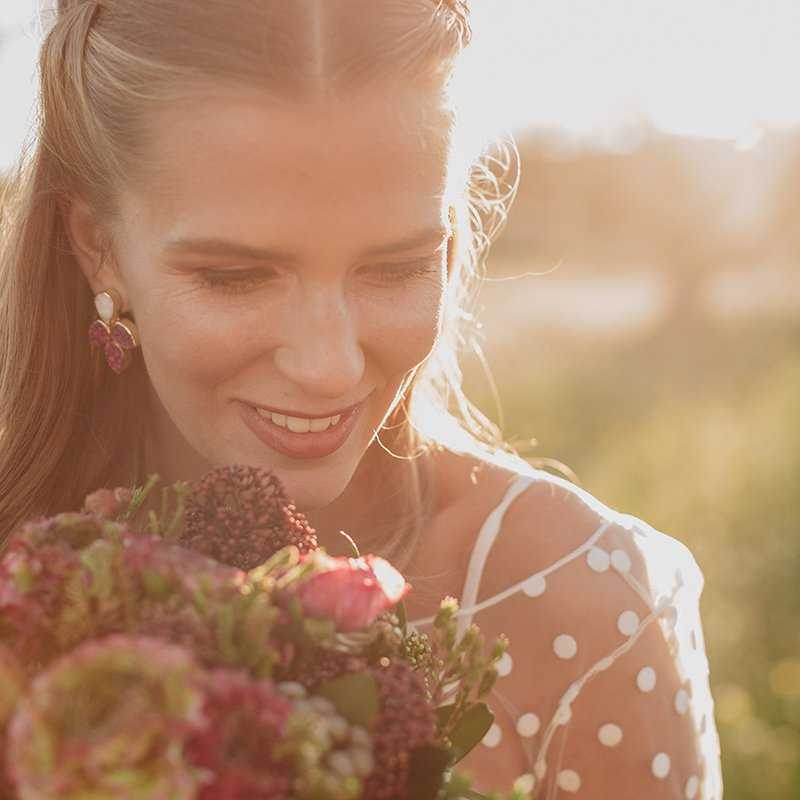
(301, 445)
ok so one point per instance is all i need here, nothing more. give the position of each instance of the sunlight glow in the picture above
(712, 68)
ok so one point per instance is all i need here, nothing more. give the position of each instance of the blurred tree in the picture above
(683, 207)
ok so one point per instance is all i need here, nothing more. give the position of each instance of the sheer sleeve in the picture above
(604, 692)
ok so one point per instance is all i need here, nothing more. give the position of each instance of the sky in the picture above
(715, 68)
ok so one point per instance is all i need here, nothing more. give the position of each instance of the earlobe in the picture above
(89, 246)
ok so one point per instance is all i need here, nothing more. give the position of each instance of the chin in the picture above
(308, 486)
(312, 498)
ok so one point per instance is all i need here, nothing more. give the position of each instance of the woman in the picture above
(275, 211)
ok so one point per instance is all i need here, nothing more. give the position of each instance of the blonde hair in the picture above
(67, 424)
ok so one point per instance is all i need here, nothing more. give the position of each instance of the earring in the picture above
(117, 336)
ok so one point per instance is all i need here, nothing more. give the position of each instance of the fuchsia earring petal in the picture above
(117, 358)
(125, 334)
(99, 333)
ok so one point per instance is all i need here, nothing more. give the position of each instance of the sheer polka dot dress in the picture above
(604, 687)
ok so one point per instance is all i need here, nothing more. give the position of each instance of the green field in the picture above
(695, 428)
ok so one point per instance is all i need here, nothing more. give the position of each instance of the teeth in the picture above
(299, 424)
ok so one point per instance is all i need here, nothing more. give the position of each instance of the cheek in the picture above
(185, 339)
(408, 325)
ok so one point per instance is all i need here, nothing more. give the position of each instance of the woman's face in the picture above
(292, 258)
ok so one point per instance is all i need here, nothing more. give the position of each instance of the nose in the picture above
(322, 354)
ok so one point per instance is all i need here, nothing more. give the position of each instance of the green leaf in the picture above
(471, 728)
(99, 559)
(155, 584)
(443, 714)
(139, 495)
(426, 767)
(284, 558)
(224, 632)
(355, 696)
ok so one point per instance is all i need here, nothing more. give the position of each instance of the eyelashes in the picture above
(241, 281)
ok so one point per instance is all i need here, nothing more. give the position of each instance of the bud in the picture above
(352, 592)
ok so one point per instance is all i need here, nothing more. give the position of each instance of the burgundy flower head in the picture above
(247, 719)
(241, 515)
(405, 722)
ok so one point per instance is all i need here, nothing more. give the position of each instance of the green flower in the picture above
(109, 719)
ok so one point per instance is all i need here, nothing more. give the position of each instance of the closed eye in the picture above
(242, 280)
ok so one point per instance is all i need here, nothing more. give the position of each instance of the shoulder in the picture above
(602, 613)
(552, 525)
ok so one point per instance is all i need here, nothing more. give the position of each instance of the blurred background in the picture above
(649, 268)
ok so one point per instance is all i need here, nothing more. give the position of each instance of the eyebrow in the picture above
(215, 246)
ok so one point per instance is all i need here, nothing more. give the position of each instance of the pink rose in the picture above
(107, 503)
(352, 591)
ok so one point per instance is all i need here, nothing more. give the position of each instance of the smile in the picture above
(299, 437)
(299, 424)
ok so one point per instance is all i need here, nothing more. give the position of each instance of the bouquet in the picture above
(213, 650)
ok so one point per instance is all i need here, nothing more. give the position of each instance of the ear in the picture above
(91, 248)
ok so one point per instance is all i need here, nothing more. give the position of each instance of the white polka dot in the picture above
(628, 622)
(568, 780)
(620, 560)
(681, 701)
(692, 786)
(671, 615)
(534, 586)
(598, 559)
(528, 724)
(646, 679)
(504, 664)
(660, 765)
(540, 769)
(493, 736)
(609, 734)
(525, 783)
(565, 646)
(563, 715)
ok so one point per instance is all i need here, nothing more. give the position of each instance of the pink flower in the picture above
(107, 503)
(351, 591)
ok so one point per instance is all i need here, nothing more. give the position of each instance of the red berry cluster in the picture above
(406, 721)
(320, 665)
(241, 515)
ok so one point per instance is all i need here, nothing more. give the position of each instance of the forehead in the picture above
(356, 170)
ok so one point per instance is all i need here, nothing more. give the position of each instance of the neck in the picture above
(371, 505)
